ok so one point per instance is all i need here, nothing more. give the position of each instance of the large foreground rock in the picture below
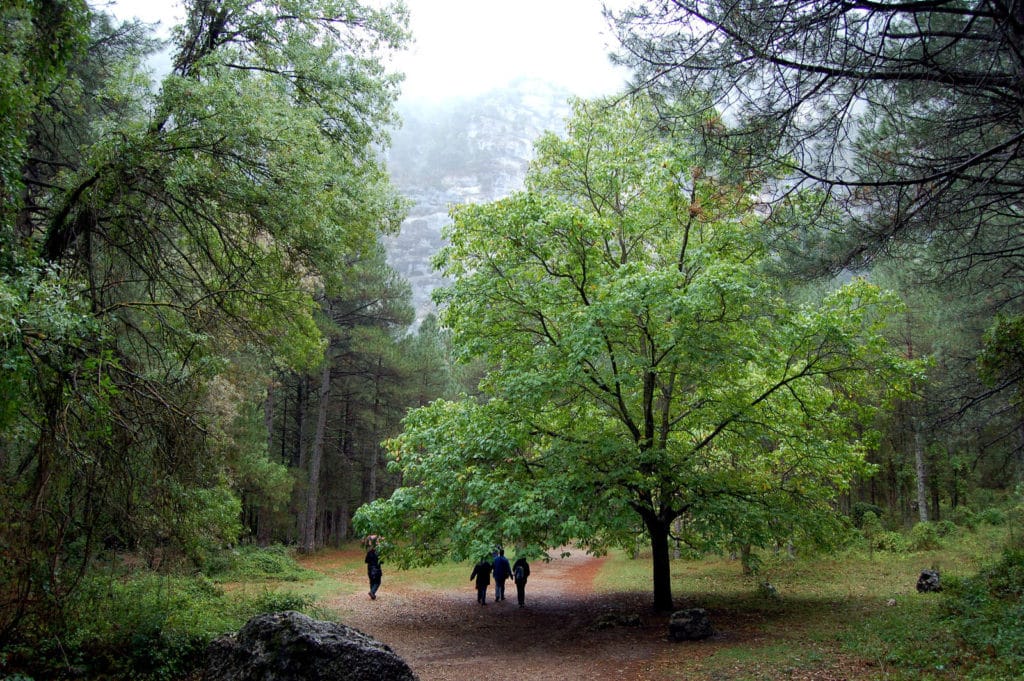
(290, 646)
(690, 625)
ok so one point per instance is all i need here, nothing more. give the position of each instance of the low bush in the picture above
(143, 627)
(924, 537)
(894, 542)
(993, 516)
(964, 516)
(859, 509)
(255, 563)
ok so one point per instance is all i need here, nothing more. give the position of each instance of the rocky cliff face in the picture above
(464, 151)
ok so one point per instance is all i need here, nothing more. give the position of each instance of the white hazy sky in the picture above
(464, 47)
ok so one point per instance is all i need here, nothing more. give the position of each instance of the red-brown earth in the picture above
(445, 635)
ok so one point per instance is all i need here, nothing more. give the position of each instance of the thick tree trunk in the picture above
(316, 453)
(661, 568)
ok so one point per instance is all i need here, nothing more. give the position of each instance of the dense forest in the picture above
(772, 287)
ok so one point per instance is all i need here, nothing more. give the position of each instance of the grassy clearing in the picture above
(852, 615)
(855, 615)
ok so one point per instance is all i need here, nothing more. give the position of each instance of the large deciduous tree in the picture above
(645, 372)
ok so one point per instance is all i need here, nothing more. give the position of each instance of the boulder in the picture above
(290, 646)
(689, 625)
(929, 582)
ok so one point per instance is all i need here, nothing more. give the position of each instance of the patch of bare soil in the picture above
(448, 636)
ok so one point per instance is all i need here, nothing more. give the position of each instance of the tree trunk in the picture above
(268, 417)
(297, 456)
(921, 470)
(263, 519)
(316, 453)
(661, 568)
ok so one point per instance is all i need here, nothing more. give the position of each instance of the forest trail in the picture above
(448, 636)
(445, 635)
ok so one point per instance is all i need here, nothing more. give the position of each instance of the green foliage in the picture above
(992, 516)
(871, 528)
(964, 516)
(1002, 357)
(893, 542)
(249, 563)
(985, 612)
(861, 509)
(924, 537)
(644, 368)
(277, 601)
(145, 626)
(172, 244)
(906, 641)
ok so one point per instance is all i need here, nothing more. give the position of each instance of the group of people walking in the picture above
(518, 572)
(502, 571)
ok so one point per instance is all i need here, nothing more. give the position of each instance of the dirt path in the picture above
(444, 635)
(449, 636)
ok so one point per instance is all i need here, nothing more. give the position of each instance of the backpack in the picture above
(519, 573)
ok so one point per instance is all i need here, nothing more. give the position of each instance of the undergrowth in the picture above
(797, 616)
(146, 626)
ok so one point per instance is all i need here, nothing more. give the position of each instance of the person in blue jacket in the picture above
(482, 574)
(502, 571)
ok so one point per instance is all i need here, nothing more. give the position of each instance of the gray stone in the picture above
(290, 646)
(690, 625)
(929, 582)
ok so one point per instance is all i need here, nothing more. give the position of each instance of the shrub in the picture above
(254, 563)
(858, 511)
(946, 528)
(145, 627)
(924, 537)
(276, 601)
(993, 516)
(894, 542)
(965, 517)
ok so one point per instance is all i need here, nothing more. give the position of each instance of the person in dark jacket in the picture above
(502, 571)
(482, 575)
(520, 573)
(373, 571)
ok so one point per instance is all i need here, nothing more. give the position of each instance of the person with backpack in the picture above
(520, 573)
(373, 571)
(482, 574)
(502, 571)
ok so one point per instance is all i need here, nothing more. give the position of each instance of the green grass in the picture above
(856, 614)
(858, 606)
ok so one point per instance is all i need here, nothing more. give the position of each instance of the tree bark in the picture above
(309, 534)
(661, 572)
(921, 470)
